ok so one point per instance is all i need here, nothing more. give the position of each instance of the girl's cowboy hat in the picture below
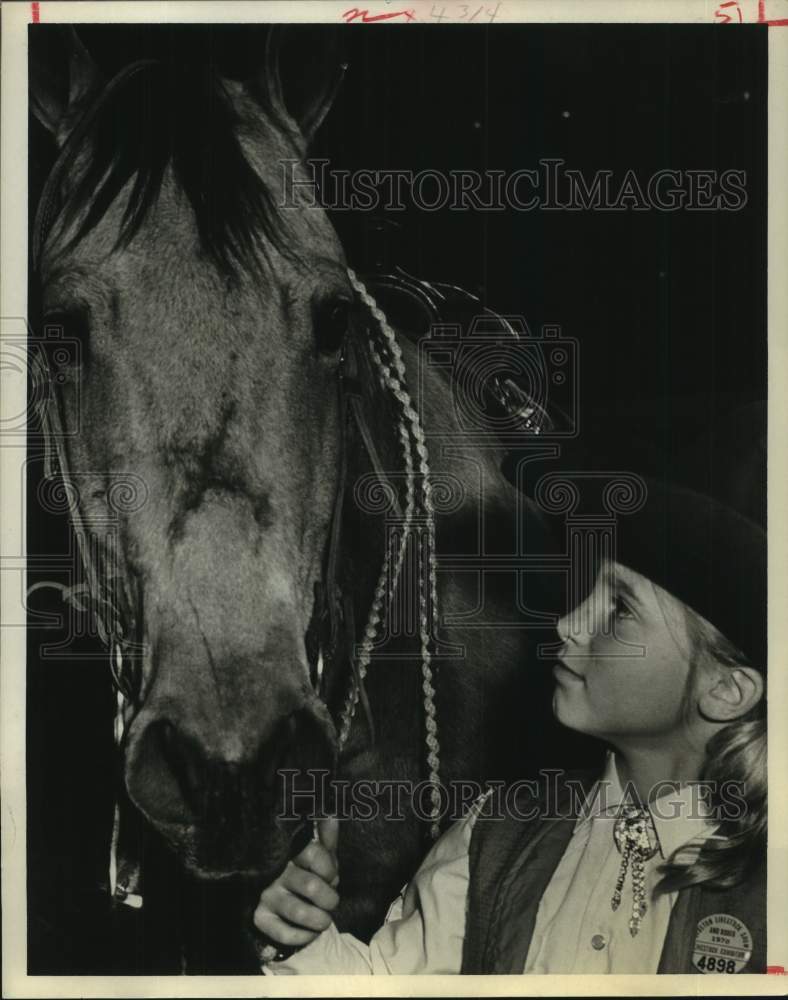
(692, 518)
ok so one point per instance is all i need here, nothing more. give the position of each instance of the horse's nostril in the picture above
(165, 776)
(297, 759)
(175, 781)
(185, 762)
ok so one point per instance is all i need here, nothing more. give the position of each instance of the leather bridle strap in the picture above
(339, 607)
(108, 619)
(56, 458)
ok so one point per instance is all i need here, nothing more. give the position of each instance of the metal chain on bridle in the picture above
(387, 357)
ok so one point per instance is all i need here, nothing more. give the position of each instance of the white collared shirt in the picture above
(576, 929)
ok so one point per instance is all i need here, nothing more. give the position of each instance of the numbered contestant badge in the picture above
(722, 944)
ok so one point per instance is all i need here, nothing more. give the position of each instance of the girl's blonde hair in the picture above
(736, 755)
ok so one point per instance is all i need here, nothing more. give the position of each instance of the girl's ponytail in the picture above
(735, 759)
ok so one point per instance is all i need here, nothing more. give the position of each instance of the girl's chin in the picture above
(569, 709)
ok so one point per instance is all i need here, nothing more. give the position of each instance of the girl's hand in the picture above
(297, 906)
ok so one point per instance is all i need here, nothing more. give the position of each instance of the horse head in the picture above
(210, 321)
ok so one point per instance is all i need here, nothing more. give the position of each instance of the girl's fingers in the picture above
(300, 912)
(328, 834)
(328, 831)
(295, 908)
(316, 858)
(309, 886)
(278, 930)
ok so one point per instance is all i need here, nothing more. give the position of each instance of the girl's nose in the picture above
(578, 624)
(562, 628)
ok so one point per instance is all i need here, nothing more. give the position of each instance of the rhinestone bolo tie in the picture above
(636, 840)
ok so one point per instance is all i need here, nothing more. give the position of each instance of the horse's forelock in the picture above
(187, 121)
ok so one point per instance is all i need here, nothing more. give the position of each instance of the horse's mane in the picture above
(158, 115)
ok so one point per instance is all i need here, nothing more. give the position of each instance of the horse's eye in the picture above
(66, 338)
(331, 320)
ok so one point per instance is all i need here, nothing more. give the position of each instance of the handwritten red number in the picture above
(727, 18)
(773, 22)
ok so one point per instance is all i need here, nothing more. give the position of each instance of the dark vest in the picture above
(512, 861)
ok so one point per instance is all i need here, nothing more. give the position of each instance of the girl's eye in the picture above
(620, 608)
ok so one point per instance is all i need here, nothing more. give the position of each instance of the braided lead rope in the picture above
(385, 589)
(431, 729)
(427, 607)
(387, 581)
(386, 586)
(397, 384)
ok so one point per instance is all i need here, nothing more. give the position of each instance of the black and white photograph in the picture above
(392, 418)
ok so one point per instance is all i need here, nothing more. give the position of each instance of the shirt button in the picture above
(598, 942)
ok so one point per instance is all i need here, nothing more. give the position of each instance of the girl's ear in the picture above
(730, 693)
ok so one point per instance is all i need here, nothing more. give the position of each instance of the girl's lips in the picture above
(562, 672)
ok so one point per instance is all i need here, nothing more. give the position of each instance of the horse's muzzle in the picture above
(231, 817)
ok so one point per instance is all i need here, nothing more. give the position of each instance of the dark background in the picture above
(664, 305)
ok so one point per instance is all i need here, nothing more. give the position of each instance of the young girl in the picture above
(640, 872)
